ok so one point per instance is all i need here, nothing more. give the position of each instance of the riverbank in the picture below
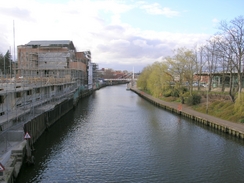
(234, 129)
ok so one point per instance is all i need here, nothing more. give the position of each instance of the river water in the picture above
(116, 136)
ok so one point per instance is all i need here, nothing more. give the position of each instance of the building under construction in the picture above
(45, 70)
(54, 62)
(47, 81)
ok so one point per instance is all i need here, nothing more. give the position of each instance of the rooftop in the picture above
(52, 43)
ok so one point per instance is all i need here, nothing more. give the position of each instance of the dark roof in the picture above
(52, 43)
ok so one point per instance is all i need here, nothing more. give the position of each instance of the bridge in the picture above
(128, 77)
(129, 81)
(121, 79)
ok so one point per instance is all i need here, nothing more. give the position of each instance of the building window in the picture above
(37, 90)
(52, 88)
(29, 92)
(18, 94)
(1, 99)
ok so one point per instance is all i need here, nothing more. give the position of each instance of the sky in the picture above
(121, 34)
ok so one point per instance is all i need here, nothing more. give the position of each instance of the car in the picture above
(203, 85)
(195, 84)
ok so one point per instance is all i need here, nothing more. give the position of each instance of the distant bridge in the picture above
(120, 79)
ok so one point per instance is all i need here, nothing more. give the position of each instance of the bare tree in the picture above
(211, 60)
(200, 63)
(226, 62)
(233, 33)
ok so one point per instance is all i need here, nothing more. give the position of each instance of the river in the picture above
(116, 136)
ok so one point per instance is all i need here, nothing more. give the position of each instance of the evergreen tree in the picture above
(5, 61)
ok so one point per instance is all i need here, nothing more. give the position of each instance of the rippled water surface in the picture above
(116, 136)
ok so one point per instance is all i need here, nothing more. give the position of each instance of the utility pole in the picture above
(207, 101)
(4, 66)
(10, 62)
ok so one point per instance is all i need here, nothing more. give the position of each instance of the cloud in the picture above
(16, 13)
(115, 42)
(135, 47)
(156, 9)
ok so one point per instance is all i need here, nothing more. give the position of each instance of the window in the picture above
(1, 99)
(29, 92)
(37, 90)
(18, 94)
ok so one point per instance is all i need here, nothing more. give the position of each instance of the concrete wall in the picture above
(39, 124)
(35, 128)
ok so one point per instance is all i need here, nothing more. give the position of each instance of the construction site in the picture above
(45, 83)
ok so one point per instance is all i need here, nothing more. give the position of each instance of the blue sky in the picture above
(121, 34)
(189, 16)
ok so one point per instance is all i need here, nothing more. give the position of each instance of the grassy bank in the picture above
(217, 105)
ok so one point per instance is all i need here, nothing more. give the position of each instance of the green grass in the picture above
(219, 108)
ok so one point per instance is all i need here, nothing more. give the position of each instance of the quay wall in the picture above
(39, 124)
(234, 129)
(35, 127)
(45, 117)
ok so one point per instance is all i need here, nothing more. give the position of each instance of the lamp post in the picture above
(207, 101)
(207, 95)
(4, 66)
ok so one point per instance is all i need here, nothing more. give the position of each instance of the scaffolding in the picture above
(42, 76)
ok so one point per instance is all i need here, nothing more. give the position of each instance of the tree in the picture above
(159, 79)
(200, 64)
(211, 57)
(108, 74)
(5, 61)
(142, 79)
(226, 62)
(183, 66)
(233, 33)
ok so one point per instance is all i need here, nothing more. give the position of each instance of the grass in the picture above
(220, 108)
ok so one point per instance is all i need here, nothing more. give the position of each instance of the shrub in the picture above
(184, 90)
(167, 93)
(193, 100)
(175, 93)
(242, 120)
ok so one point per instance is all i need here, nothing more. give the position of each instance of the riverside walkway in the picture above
(235, 129)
